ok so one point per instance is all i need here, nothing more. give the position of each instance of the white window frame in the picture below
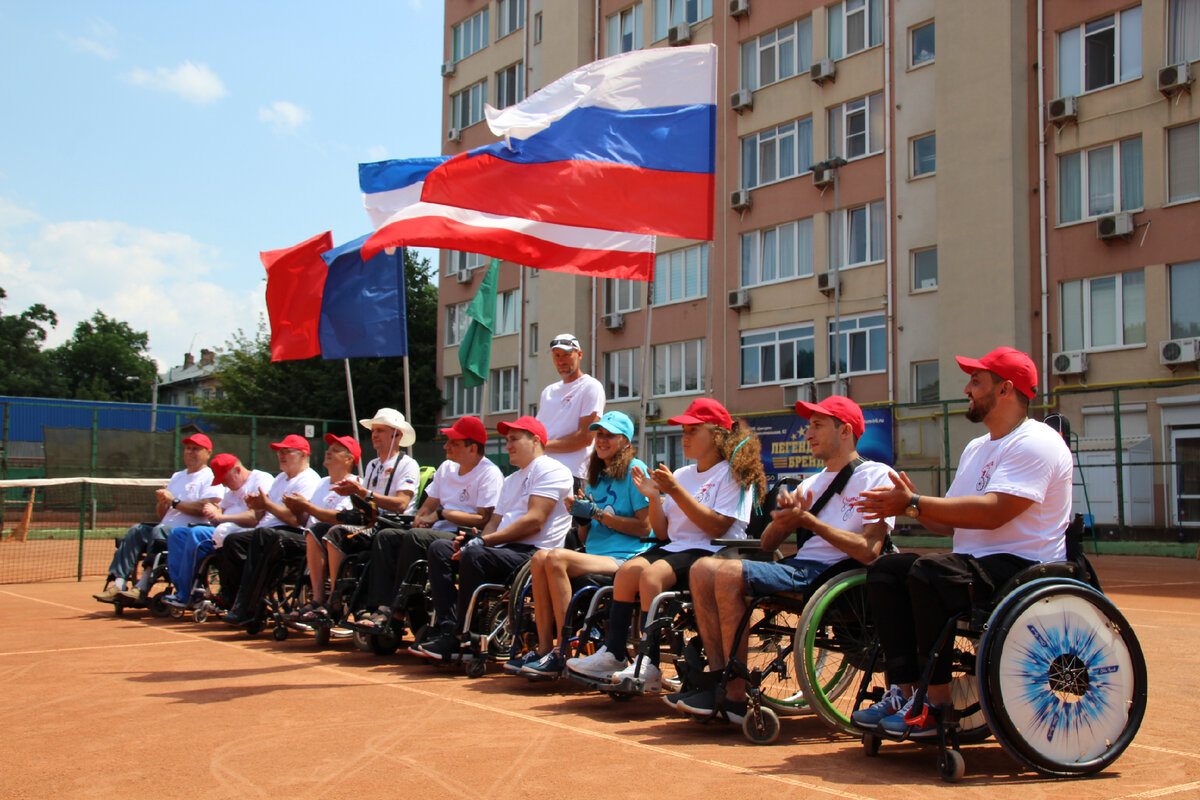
(768, 144)
(467, 105)
(915, 159)
(853, 328)
(622, 374)
(912, 260)
(872, 111)
(510, 17)
(786, 338)
(1175, 139)
(838, 44)
(675, 267)
(769, 244)
(504, 395)
(770, 46)
(688, 358)
(1180, 49)
(669, 13)
(471, 32)
(622, 296)
(1126, 25)
(917, 368)
(459, 260)
(913, 62)
(461, 401)
(1085, 303)
(537, 28)
(533, 338)
(617, 26)
(508, 94)
(841, 225)
(508, 313)
(1118, 190)
(457, 322)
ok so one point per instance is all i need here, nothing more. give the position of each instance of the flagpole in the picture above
(407, 400)
(353, 414)
(645, 369)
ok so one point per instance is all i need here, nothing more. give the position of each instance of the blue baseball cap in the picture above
(615, 422)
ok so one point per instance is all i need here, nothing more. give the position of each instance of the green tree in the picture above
(25, 369)
(105, 359)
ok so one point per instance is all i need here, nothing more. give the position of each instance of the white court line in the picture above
(1165, 750)
(77, 649)
(1115, 586)
(608, 737)
(1168, 790)
(1159, 611)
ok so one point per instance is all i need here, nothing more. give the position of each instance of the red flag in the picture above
(295, 284)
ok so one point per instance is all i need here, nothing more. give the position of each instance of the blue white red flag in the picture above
(392, 197)
(627, 143)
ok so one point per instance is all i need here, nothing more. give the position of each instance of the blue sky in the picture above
(150, 150)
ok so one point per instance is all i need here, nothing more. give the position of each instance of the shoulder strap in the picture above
(835, 487)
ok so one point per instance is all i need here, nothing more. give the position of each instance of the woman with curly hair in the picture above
(613, 516)
(689, 508)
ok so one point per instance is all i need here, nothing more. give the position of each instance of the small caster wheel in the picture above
(620, 697)
(761, 725)
(870, 743)
(200, 614)
(159, 607)
(280, 633)
(254, 628)
(951, 766)
(476, 667)
(321, 634)
(362, 641)
(384, 644)
(119, 609)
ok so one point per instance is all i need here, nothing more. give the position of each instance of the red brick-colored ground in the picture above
(101, 706)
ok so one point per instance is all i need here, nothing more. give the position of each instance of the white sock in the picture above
(120, 583)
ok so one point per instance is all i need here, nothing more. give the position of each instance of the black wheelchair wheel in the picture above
(280, 633)
(384, 644)
(761, 725)
(158, 604)
(498, 621)
(1063, 678)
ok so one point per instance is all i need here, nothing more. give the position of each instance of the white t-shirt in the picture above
(561, 407)
(479, 488)
(189, 486)
(400, 473)
(715, 489)
(1032, 462)
(325, 497)
(234, 502)
(543, 477)
(838, 512)
(304, 484)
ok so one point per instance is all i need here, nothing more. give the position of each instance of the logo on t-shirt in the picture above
(464, 496)
(702, 495)
(847, 509)
(985, 476)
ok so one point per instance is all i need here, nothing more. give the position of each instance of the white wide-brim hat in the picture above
(393, 419)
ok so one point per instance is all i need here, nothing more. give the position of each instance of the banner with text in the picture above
(786, 454)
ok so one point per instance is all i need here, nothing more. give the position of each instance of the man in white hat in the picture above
(569, 406)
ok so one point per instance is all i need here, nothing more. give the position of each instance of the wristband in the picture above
(440, 515)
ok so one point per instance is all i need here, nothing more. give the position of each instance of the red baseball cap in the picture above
(199, 440)
(348, 442)
(293, 442)
(702, 410)
(525, 423)
(838, 407)
(220, 465)
(468, 428)
(1009, 364)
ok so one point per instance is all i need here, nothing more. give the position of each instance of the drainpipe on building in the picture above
(1042, 245)
(889, 267)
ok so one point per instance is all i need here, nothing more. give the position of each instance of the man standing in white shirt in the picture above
(569, 406)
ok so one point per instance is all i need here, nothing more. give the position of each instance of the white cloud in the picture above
(283, 116)
(195, 83)
(98, 41)
(377, 152)
(13, 216)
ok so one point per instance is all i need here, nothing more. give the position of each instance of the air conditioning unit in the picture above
(448, 69)
(795, 392)
(454, 134)
(614, 322)
(823, 70)
(739, 8)
(742, 100)
(739, 299)
(1179, 351)
(679, 34)
(1114, 225)
(1062, 110)
(1073, 363)
(1175, 77)
(653, 410)
(827, 282)
(822, 177)
(463, 276)
(740, 200)
(831, 386)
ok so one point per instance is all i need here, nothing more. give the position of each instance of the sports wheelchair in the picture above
(1051, 669)
(154, 561)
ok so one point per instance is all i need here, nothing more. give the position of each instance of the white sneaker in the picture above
(650, 674)
(599, 665)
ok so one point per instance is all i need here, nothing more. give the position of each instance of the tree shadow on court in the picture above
(174, 676)
(226, 694)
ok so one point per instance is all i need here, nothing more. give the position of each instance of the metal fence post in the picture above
(946, 440)
(254, 442)
(1120, 461)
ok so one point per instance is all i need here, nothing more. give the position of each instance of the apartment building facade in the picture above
(949, 211)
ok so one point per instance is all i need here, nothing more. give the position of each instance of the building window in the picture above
(854, 25)
(924, 155)
(1185, 288)
(679, 368)
(1101, 313)
(508, 313)
(778, 254)
(925, 387)
(1183, 162)
(623, 374)
(510, 85)
(924, 269)
(921, 45)
(777, 55)
(458, 261)
(681, 275)
(622, 295)
(537, 28)
(1100, 181)
(1183, 31)
(460, 400)
(778, 356)
(456, 323)
(856, 128)
(668, 449)
(533, 339)
(859, 345)
(669, 13)
(511, 17)
(623, 31)
(1100, 53)
(504, 390)
(777, 154)
(862, 228)
(467, 105)
(471, 36)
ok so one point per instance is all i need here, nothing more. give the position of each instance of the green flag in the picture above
(475, 351)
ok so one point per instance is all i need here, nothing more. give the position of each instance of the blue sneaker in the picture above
(892, 702)
(919, 724)
(550, 665)
(514, 664)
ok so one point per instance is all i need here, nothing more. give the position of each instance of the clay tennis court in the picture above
(102, 706)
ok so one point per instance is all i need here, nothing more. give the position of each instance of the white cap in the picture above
(565, 341)
(393, 419)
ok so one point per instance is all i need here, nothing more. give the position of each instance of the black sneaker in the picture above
(444, 648)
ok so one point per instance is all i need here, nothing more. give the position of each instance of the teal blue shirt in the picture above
(625, 500)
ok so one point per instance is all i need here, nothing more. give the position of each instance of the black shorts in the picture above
(680, 560)
(950, 575)
(350, 540)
